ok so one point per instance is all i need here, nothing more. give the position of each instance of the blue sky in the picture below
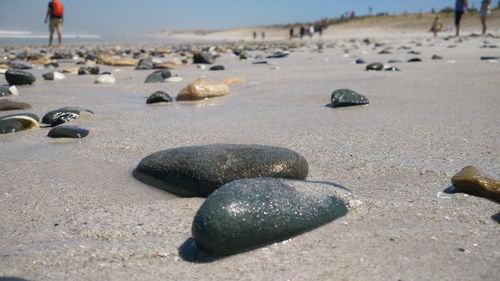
(115, 17)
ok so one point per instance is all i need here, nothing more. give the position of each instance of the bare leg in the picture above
(483, 22)
(59, 39)
(51, 36)
(457, 27)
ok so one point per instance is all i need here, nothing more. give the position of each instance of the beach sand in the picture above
(71, 210)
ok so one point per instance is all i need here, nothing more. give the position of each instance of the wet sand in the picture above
(71, 210)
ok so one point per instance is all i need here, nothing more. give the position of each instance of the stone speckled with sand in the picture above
(249, 213)
(347, 97)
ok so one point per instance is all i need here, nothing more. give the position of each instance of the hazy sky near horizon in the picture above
(118, 17)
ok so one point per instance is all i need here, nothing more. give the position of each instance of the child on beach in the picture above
(437, 26)
(485, 11)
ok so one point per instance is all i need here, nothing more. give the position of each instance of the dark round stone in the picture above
(250, 213)
(145, 64)
(158, 76)
(19, 77)
(347, 97)
(217, 68)
(376, 66)
(199, 170)
(68, 132)
(360, 61)
(159, 96)
(415, 60)
(203, 58)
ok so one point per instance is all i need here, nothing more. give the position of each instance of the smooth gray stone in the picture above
(145, 64)
(68, 132)
(250, 213)
(199, 170)
(48, 76)
(347, 97)
(159, 96)
(158, 76)
(19, 77)
(20, 65)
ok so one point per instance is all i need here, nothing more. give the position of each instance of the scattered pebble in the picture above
(159, 96)
(19, 77)
(347, 97)
(472, 181)
(201, 89)
(68, 132)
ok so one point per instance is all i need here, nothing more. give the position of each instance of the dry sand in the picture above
(73, 211)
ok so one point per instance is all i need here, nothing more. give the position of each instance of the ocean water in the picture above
(28, 38)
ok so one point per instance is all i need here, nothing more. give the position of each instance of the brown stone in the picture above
(117, 61)
(6, 104)
(167, 65)
(42, 61)
(71, 70)
(203, 88)
(470, 180)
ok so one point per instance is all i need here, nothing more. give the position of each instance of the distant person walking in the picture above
(55, 12)
(485, 11)
(460, 9)
(254, 35)
(437, 26)
(263, 35)
(311, 31)
(291, 33)
(302, 31)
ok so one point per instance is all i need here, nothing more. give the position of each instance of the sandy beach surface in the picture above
(71, 210)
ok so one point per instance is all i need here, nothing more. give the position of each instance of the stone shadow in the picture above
(189, 252)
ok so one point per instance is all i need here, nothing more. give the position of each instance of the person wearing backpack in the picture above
(55, 11)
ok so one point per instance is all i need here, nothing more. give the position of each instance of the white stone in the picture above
(59, 76)
(105, 79)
